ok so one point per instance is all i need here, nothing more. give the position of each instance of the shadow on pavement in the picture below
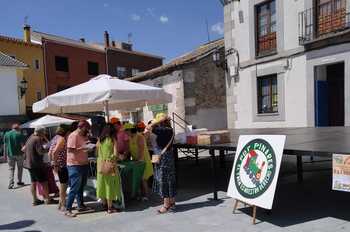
(313, 199)
(191, 206)
(17, 225)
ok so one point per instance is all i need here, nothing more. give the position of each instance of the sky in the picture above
(162, 27)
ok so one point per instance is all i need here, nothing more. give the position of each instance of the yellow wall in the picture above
(27, 53)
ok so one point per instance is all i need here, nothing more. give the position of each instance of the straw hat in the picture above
(159, 117)
(141, 125)
(129, 126)
(114, 120)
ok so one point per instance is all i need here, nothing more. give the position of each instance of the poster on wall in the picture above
(256, 168)
(341, 172)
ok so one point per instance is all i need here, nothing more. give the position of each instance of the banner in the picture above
(256, 168)
(341, 172)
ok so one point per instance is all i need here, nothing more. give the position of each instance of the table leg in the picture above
(214, 175)
(222, 158)
(196, 155)
(300, 168)
(176, 155)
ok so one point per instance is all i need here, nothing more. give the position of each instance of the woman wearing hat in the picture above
(139, 151)
(164, 173)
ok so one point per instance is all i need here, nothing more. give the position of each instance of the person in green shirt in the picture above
(13, 144)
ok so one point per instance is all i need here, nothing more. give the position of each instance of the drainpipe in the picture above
(43, 42)
(107, 71)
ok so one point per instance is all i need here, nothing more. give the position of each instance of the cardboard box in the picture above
(203, 139)
(219, 137)
(192, 139)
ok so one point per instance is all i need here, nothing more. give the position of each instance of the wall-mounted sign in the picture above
(158, 108)
(256, 168)
(341, 172)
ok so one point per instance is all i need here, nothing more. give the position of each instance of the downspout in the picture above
(107, 71)
(45, 73)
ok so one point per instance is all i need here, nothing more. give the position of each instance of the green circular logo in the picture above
(255, 168)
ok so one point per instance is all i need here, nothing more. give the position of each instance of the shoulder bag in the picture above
(107, 167)
(156, 157)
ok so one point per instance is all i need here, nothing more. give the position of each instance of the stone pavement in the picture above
(310, 206)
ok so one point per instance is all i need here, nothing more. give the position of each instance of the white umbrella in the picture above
(102, 93)
(47, 121)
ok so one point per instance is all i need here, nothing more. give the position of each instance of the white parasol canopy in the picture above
(47, 121)
(102, 93)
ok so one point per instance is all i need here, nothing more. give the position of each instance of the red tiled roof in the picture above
(18, 41)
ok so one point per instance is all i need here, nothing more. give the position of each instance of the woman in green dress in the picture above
(108, 186)
(139, 152)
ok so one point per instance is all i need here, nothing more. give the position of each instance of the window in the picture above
(93, 68)
(38, 96)
(331, 16)
(267, 94)
(36, 64)
(61, 64)
(121, 72)
(266, 28)
(134, 71)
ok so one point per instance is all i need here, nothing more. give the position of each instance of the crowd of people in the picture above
(66, 156)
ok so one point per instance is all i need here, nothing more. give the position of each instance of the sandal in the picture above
(37, 202)
(70, 214)
(173, 206)
(84, 209)
(51, 202)
(112, 210)
(61, 207)
(163, 210)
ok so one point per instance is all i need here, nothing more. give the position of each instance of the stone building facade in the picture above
(197, 84)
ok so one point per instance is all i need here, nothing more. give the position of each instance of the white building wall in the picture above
(289, 63)
(292, 96)
(10, 103)
(172, 84)
(291, 10)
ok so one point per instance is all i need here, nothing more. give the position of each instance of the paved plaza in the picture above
(310, 206)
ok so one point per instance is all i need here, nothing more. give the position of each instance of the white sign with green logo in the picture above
(256, 168)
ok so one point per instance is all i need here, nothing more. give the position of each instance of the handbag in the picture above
(107, 167)
(156, 157)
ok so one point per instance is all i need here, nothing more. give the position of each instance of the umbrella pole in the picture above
(106, 108)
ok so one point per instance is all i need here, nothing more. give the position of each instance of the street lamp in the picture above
(217, 59)
(23, 86)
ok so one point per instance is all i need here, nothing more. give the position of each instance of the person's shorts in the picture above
(38, 175)
(63, 175)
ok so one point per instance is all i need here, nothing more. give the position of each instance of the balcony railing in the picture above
(323, 21)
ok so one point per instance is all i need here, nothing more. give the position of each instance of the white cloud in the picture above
(150, 12)
(105, 5)
(135, 17)
(218, 28)
(164, 19)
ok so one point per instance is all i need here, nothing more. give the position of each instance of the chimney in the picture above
(106, 39)
(113, 43)
(127, 46)
(26, 32)
(82, 40)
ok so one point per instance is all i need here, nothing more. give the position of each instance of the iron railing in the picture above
(323, 20)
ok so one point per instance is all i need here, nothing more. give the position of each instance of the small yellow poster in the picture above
(341, 172)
